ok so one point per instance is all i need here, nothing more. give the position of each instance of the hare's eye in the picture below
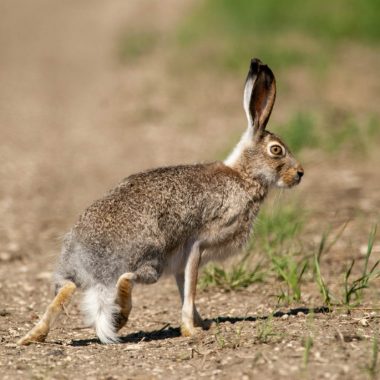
(276, 150)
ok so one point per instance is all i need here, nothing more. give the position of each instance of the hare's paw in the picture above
(126, 281)
(124, 288)
(37, 334)
(41, 330)
(188, 331)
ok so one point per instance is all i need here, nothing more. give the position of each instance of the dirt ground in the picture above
(74, 122)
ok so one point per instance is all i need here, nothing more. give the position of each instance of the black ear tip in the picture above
(255, 66)
(255, 61)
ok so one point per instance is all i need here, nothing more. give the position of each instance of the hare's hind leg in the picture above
(124, 298)
(41, 330)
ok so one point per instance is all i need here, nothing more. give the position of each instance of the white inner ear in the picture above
(247, 98)
(275, 143)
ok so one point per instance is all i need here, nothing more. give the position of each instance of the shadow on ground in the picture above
(168, 332)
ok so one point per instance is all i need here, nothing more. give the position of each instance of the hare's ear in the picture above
(259, 96)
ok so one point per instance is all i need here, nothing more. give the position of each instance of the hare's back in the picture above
(147, 216)
(162, 206)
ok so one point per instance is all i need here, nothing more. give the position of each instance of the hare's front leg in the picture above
(198, 321)
(187, 284)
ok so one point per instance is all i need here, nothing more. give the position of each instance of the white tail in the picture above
(100, 310)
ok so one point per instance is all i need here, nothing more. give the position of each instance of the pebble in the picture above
(5, 256)
(13, 247)
(285, 316)
(10, 345)
(4, 313)
(43, 276)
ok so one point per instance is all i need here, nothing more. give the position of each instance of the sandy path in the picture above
(73, 122)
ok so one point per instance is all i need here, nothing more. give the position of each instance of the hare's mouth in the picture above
(289, 180)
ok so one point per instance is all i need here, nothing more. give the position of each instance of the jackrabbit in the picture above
(171, 220)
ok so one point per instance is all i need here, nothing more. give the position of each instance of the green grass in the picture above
(277, 225)
(291, 272)
(334, 135)
(237, 30)
(308, 344)
(237, 277)
(275, 239)
(353, 289)
(273, 231)
(323, 248)
(323, 288)
(265, 330)
(372, 368)
(347, 133)
(282, 256)
(299, 132)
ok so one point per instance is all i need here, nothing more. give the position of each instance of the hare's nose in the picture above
(300, 172)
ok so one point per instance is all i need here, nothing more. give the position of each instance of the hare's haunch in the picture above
(171, 220)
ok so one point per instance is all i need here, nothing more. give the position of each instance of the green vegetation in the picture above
(354, 289)
(219, 337)
(323, 288)
(308, 344)
(372, 367)
(291, 272)
(300, 132)
(239, 276)
(324, 246)
(226, 34)
(233, 30)
(265, 330)
(273, 230)
(277, 227)
(224, 340)
(333, 135)
(287, 259)
(274, 241)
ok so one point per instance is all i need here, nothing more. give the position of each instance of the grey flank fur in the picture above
(150, 216)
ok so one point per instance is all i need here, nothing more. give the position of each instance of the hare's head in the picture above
(260, 153)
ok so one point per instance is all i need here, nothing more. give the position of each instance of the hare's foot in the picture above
(193, 326)
(41, 330)
(124, 298)
(190, 330)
